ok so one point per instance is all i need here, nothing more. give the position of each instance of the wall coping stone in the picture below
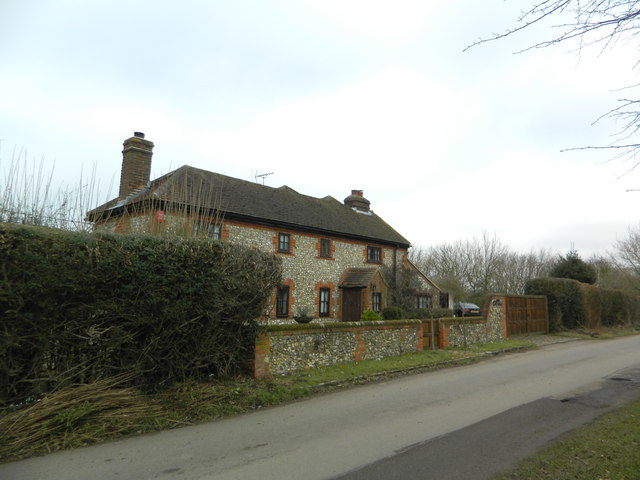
(338, 326)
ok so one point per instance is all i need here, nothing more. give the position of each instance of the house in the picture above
(339, 258)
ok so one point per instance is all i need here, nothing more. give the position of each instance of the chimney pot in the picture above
(359, 193)
(138, 134)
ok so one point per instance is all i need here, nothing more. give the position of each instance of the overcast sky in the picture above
(330, 96)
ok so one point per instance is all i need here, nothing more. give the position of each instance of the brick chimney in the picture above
(136, 165)
(357, 201)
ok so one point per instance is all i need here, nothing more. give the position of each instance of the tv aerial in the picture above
(261, 176)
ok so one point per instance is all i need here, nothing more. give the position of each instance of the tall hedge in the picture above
(564, 301)
(620, 308)
(574, 304)
(77, 307)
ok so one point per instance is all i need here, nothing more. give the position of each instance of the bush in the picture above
(392, 313)
(564, 301)
(80, 307)
(370, 316)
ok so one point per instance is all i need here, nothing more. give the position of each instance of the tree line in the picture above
(472, 268)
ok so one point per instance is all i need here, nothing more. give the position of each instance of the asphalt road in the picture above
(496, 444)
(463, 421)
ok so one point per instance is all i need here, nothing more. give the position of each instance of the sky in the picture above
(327, 96)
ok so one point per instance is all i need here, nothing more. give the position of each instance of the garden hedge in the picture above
(79, 307)
(573, 304)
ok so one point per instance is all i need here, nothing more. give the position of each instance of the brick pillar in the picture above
(443, 336)
(503, 310)
(261, 357)
(360, 345)
(420, 334)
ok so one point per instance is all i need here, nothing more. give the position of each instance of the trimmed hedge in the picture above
(573, 304)
(392, 313)
(79, 307)
(426, 313)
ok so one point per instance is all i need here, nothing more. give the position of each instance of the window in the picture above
(376, 302)
(374, 255)
(325, 248)
(284, 243)
(423, 301)
(211, 230)
(325, 302)
(282, 302)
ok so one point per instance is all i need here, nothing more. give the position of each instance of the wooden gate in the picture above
(526, 314)
(430, 334)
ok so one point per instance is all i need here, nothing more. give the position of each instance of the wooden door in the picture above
(351, 304)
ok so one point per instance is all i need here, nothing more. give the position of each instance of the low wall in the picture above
(284, 349)
(456, 332)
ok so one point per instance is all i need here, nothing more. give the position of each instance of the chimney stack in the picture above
(136, 165)
(357, 201)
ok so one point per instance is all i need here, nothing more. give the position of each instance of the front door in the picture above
(351, 304)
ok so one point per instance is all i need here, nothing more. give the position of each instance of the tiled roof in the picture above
(242, 200)
(357, 277)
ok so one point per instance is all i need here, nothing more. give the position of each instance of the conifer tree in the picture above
(572, 266)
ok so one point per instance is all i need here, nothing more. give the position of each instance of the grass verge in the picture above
(607, 449)
(102, 411)
(602, 333)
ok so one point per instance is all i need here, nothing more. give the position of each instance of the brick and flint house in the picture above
(339, 258)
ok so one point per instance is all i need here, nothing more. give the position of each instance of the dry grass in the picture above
(74, 417)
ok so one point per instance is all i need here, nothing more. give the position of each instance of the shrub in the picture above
(564, 301)
(370, 316)
(392, 313)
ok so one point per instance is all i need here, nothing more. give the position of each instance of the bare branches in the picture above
(472, 268)
(629, 114)
(593, 21)
(537, 13)
(28, 195)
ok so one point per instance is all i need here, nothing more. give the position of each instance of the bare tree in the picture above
(611, 273)
(470, 269)
(604, 24)
(628, 256)
(518, 268)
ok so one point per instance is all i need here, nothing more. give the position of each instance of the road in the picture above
(344, 432)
